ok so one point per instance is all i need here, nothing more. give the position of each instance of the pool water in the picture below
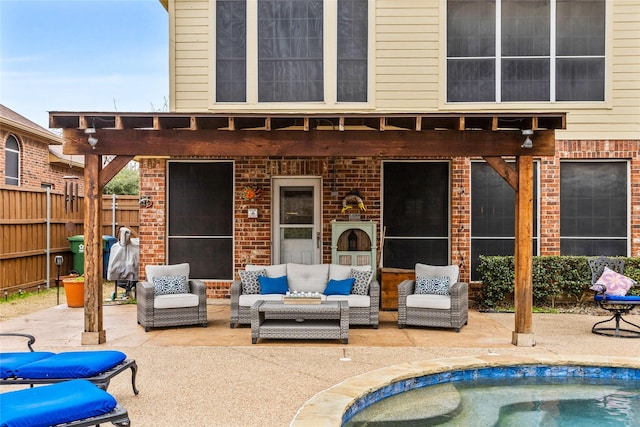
(521, 402)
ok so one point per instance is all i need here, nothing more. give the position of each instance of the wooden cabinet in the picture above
(390, 278)
(354, 243)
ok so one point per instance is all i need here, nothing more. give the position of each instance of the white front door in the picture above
(296, 220)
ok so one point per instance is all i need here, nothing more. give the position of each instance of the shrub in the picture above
(554, 277)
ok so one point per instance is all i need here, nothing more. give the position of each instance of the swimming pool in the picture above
(528, 395)
(340, 403)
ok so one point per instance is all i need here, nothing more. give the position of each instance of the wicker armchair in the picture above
(439, 311)
(172, 309)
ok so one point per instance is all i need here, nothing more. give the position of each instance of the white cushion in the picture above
(175, 301)
(439, 302)
(341, 272)
(451, 271)
(166, 270)
(247, 300)
(307, 278)
(354, 300)
(273, 271)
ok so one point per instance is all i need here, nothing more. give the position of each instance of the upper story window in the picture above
(518, 50)
(292, 56)
(12, 161)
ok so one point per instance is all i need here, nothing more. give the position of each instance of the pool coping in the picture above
(327, 408)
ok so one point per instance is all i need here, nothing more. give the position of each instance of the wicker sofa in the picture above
(171, 308)
(363, 305)
(430, 307)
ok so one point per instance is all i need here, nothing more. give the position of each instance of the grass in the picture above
(20, 295)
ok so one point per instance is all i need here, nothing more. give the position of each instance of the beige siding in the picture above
(408, 75)
(622, 119)
(190, 71)
(407, 50)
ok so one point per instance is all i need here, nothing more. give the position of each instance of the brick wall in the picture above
(341, 175)
(35, 168)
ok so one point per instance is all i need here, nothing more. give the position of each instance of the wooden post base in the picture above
(94, 338)
(523, 340)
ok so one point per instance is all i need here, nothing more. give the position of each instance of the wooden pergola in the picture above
(492, 136)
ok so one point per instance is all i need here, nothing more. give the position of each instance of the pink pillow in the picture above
(615, 283)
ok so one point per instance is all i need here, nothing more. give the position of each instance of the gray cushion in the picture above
(451, 271)
(176, 301)
(273, 271)
(307, 278)
(341, 272)
(166, 270)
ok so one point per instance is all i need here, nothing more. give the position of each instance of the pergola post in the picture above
(523, 292)
(93, 328)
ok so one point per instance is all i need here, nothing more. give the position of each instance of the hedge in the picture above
(554, 278)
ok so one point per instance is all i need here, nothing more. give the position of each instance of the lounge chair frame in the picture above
(101, 380)
(118, 417)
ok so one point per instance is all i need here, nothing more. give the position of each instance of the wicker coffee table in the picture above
(274, 319)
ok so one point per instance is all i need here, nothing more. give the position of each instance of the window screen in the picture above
(500, 50)
(493, 215)
(12, 161)
(353, 20)
(290, 56)
(231, 50)
(416, 213)
(200, 218)
(593, 208)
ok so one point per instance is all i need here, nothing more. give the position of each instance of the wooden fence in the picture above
(35, 226)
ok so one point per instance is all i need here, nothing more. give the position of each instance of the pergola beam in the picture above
(388, 143)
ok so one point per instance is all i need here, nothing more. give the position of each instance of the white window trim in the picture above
(330, 64)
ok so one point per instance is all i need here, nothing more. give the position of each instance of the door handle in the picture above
(318, 239)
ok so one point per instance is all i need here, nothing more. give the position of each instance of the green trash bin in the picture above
(77, 247)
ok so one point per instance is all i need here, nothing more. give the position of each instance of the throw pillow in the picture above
(166, 285)
(273, 285)
(451, 271)
(615, 283)
(250, 283)
(432, 285)
(339, 287)
(361, 283)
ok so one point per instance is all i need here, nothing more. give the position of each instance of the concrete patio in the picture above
(214, 376)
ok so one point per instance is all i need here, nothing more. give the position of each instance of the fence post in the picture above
(48, 250)
(113, 215)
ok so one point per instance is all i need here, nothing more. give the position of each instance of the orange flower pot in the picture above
(74, 291)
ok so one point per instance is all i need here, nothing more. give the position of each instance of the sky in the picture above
(83, 55)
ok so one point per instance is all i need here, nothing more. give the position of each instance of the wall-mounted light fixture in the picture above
(92, 140)
(528, 143)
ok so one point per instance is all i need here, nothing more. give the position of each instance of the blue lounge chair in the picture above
(71, 403)
(42, 367)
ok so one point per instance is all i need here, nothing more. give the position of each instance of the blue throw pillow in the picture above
(339, 287)
(273, 285)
